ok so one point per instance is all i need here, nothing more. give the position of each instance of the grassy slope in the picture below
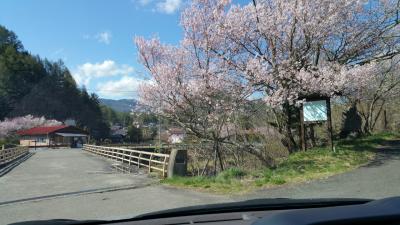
(298, 167)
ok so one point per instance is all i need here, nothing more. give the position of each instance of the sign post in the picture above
(329, 123)
(316, 111)
(302, 130)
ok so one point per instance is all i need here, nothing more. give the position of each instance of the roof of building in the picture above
(176, 131)
(122, 132)
(41, 130)
(115, 127)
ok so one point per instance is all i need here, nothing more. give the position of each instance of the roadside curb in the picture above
(7, 168)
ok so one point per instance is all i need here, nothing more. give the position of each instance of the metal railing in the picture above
(9, 154)
(150, 160)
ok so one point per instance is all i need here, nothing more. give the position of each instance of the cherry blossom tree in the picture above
(288, 49)
(299, 48)
(382, 89)
(293, 49)
(10, 125)
(191, 88)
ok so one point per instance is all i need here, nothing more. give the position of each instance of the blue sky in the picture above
(93, 37)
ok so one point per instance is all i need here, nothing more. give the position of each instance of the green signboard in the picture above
(315, 111)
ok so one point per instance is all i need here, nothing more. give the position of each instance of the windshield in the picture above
(111, 109)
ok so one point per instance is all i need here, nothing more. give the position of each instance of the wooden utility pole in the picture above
(329, 123)
(302, 130)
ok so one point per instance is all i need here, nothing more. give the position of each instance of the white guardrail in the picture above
(9, 154)
(150, 160)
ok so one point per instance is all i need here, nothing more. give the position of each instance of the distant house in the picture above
(176, 135)
(53, 136)
(118, 133)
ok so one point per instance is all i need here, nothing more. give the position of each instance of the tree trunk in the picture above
(217, 157)
(221, 164)
(215, 160)
(289, 135)
(368, 120)
(366, 126)
(375, 119)
(205, 168)
(385, 121)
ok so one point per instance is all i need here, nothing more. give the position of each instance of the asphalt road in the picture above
(76, 185)
(57, 171)
(73, 184)
(378, 179)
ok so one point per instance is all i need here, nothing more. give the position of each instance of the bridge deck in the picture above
(59, 171)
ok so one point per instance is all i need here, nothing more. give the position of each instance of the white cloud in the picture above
(86, 36)
(169, 6)
(142, 2)
(104, 37)
(86, 72)
(101, 37)
(126, 87)
(163, 6)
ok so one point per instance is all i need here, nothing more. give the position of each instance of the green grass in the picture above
(299, 167)
(228, 181)
(10, 141)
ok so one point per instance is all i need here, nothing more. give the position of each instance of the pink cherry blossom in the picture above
(10, 125)
(288, 49)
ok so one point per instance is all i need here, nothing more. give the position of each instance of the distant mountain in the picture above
(122, 105)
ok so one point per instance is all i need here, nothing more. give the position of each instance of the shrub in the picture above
(277, 180)
(267, 174)
(231, 173)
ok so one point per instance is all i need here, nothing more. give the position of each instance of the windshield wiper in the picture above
(59, 222)
(253, 205)
(241, 206)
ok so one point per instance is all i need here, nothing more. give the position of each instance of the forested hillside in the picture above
(115, 117)
(121, 105)
(33, 85)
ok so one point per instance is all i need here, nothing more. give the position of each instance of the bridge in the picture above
(89, 183)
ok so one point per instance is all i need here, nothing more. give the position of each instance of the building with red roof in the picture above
(53, 136)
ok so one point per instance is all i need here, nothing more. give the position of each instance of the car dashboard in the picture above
(268, 212)
(385, 211)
